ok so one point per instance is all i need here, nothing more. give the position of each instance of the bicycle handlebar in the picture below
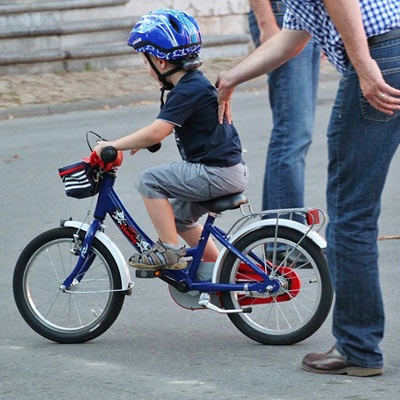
(154, 148)
(109, 154)
(110, 157)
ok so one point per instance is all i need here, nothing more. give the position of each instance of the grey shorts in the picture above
(185, 183)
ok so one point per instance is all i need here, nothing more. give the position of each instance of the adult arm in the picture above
(346, 15)
(265, 17)
(283, 46)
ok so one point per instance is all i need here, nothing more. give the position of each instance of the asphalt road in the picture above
(157, 349)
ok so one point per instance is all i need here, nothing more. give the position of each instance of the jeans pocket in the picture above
(392, 77)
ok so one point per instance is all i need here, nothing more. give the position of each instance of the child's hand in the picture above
(133, 152)
(99, 147)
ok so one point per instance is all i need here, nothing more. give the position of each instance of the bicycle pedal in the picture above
(147, 273)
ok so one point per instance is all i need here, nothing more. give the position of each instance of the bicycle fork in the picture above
(85, 260)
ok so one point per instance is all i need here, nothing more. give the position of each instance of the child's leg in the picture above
(166, 253)
(163, 219)
(191, 237)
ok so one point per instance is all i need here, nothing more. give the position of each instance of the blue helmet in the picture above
(166, 34)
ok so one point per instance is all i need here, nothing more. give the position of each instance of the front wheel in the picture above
(304, 300)
(82, 312)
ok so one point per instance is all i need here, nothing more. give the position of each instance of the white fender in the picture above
(113, 249)
(313, 235)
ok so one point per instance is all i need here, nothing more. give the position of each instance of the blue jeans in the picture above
(292, 94)
(361, 144)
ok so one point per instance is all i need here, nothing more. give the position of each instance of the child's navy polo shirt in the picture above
(192, 106)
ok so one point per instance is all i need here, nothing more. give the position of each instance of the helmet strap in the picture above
(163, 77)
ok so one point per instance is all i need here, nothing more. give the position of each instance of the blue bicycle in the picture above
(270, 278)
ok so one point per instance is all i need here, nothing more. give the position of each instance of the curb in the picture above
(97, 104)
(326, 96)
(62, 108)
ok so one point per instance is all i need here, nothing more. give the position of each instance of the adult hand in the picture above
(378, 93)
(224, 98)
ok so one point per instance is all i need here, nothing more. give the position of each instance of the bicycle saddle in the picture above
(228, 202)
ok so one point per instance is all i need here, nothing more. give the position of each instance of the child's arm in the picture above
(144, 137)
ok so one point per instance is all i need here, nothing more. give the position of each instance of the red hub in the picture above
(291, 284)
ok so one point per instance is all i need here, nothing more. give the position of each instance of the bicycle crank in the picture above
(206, 303)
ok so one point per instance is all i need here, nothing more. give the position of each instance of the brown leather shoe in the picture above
(333, 362)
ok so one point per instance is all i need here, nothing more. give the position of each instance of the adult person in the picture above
(292, 97)
(361, 38)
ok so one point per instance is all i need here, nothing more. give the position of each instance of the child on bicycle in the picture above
(211, 166)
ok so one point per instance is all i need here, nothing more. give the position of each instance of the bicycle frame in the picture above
(108, 202)
(271, 268)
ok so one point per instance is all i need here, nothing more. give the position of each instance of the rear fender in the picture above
(304, 229)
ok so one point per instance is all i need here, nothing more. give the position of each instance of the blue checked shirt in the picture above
(379, 16)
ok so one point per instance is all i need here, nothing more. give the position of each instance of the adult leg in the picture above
(361, 142)
(293, 92)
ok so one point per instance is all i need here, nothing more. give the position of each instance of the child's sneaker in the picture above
(160, 257)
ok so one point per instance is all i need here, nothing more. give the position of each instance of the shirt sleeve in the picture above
(291, 22)
(177, 108)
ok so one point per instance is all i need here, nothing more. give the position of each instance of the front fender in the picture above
(112, 248)
(313, 235)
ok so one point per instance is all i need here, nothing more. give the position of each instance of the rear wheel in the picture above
(80, 313)
(302, 304)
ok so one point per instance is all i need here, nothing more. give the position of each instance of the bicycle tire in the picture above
(73, 316)
(297, 311)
